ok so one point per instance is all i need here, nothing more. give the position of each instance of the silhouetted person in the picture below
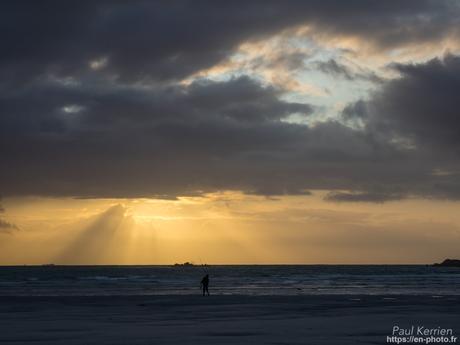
(205, 284)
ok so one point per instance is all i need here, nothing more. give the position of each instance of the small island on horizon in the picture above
(187, 264)
(448, 263)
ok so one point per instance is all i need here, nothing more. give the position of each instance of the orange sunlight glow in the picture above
(227, 227)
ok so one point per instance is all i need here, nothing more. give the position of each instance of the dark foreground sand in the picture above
(219, 319)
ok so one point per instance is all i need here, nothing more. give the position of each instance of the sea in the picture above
(50, 280)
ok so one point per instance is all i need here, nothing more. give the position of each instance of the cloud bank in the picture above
(94, 103)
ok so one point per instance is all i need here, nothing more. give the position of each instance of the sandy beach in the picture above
(331, 319)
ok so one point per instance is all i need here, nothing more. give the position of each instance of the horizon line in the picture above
(221, 264)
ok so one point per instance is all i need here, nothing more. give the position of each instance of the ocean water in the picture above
(228, 280)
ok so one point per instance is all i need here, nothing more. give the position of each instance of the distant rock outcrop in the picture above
(185, 264)
(448, 263)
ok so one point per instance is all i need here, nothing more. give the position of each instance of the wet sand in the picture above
(216, 319)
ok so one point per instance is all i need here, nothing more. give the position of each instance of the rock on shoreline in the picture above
(448, 263)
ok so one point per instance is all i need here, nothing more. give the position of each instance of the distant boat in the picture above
(448, 263)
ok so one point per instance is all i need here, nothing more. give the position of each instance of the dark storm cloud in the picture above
(161, 40)
(421, 105)
(179, 140)
(99, 140)
(419, 111)
(90, 104)
(160, 141)
(355, 111)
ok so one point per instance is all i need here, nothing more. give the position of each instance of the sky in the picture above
(155, 132)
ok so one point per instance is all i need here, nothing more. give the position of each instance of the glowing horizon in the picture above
(228, 228)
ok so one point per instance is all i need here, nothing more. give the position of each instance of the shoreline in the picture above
(218, 319)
